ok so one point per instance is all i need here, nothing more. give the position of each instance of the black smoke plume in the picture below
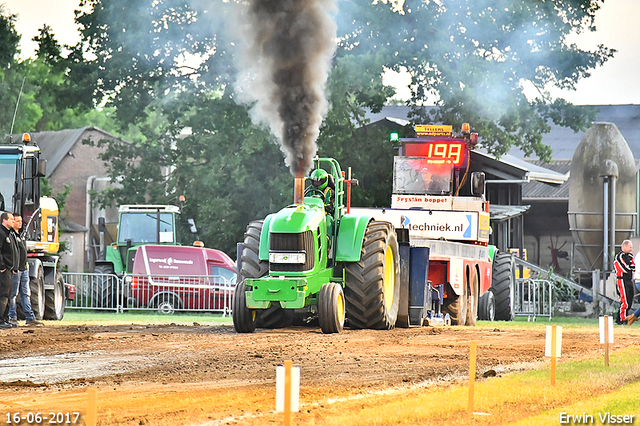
(288, 46)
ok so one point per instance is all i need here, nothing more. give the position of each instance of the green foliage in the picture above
(9, 38)
(160, 68)
(474, 58)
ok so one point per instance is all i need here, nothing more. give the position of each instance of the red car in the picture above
(171, 278)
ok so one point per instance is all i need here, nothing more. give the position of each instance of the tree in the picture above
(9, 40)
(166, 66)
(475, 59)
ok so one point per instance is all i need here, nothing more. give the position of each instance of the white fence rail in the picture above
(533, 298)
(165, 294)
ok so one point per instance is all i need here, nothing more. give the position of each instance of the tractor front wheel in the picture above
(244, 319)
(331, 312)
(372, 287)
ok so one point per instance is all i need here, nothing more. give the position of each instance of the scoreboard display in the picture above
(453, 151)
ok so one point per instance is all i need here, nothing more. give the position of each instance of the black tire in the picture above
(487, 306)
(473, 288)
(105, 287)
(373, 280)
(331, 312)
(244, 319)
(456, 307)
(36, 286)
(274, 317)
(55, 301)
(502, 283)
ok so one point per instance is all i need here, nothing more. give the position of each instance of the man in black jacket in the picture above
(8, 264)
(21, 279)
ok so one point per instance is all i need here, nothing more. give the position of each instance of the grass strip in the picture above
(87, 317)
(527, 398)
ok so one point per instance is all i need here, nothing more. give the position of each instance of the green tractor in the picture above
(317, 258)
(137, 225)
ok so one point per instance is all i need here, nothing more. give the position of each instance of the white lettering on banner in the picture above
(170, 261)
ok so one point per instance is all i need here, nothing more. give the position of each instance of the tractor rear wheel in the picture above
(331, 308)
(105, 287)
(244, 319)
(372, 287)
(502, 283)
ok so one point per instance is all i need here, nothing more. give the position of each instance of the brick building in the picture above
(74, 163)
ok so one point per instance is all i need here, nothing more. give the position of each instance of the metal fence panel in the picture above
(533, 298)
(95, 291)
(165, 294)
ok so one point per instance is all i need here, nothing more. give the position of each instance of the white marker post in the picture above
(287, 390)
(553, 348)
(92, 407)
(606, 335)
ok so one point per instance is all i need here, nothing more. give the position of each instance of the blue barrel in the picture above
(419, 294)
(403, 307)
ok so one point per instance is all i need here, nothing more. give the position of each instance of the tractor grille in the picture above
(292, 243)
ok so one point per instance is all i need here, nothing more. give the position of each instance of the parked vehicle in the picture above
(137, 225)
(171, 278)
(21, 168)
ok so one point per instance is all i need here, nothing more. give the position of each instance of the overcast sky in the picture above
(617, 82)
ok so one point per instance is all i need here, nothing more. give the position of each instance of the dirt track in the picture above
(210, 375)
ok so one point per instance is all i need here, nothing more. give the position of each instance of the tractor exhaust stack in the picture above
(298, 190)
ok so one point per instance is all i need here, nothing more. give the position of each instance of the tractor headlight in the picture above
(287, 257)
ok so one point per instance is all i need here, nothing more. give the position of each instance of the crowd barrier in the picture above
(533, 298)
(164, 294)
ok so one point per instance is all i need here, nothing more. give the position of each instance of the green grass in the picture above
(526, 398)
(152, 317)
(569, 322)
(77, 316)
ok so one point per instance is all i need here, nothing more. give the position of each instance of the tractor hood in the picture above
(292, 220)
(298, 218)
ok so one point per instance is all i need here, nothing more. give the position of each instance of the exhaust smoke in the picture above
(288, 49)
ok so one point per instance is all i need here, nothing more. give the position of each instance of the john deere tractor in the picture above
(314, 256)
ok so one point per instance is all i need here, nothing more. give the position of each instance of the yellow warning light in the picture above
(26, 138)
(465, 128)
(198, 244)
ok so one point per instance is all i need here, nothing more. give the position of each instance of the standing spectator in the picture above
(21, 279)
(624, 268)
(634, 316)
(7, 262)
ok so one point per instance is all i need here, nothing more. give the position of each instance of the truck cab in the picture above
(139, 225)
